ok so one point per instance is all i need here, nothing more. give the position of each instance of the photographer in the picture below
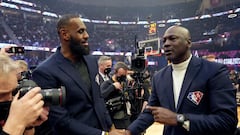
(18, 115)
(113, 93)
(22, 68)
(138, 93)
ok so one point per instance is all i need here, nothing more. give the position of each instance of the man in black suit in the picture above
(71, 66)
(190, 96)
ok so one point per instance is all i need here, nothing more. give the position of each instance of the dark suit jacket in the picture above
(216, 113)
(84, 112)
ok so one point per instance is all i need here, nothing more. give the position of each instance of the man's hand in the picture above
(43, 117)
(163, 115)
(114, 131)
(117, 85)
(5, 49)
(117, 132)
(28, 108)
(24, 111)
(127, 132)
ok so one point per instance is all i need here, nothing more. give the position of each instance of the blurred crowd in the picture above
(30, 29)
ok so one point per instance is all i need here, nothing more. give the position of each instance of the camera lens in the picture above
(54, 96)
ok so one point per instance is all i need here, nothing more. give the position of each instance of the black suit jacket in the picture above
(84, 112)
(212, 113)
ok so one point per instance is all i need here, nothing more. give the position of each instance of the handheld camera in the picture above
(51, 97)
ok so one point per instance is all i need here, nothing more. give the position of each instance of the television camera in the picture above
(131, 93)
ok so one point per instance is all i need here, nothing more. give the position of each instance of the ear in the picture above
(64, 34)
(189, 42)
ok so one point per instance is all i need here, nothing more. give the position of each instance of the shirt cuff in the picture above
(186, 125)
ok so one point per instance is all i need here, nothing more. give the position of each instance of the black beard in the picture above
(78, 49)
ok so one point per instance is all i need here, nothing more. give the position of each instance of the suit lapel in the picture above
(168, 87)
(67, 67)
(191, 72)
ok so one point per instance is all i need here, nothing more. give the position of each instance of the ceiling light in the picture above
(232, 15)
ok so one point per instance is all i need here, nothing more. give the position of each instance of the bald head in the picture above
(179, 30)
(177, 44)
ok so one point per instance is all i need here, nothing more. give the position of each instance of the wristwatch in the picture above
(183, 121)
(180, 119)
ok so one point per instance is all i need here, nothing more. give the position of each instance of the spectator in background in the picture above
(104, 68)
(22, 73)
(113, 91)
(191, 96)
(71, 66)
(18, 115)
(22, 68)
(233, 76)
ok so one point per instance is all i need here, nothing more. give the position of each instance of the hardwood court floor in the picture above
(157, 129)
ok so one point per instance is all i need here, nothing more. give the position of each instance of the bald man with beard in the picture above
(190, 96)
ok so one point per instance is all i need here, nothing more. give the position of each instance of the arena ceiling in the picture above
(129, 3)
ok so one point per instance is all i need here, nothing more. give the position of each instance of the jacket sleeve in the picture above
(107, 88)
(145, 119)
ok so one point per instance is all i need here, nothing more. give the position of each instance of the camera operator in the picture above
(22, 73)
(138, 93)
(113, 93)
(17, 115)
(22, 68)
